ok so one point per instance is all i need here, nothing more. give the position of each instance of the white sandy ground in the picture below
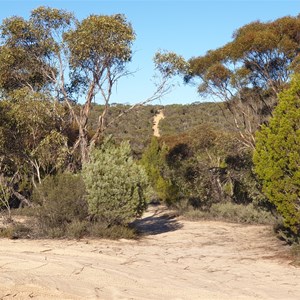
(175, 260)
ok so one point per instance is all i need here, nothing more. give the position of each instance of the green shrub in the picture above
(77, 229)
(277, 157)
(99, 230)
(193, 214)
(295, 251)
(115, 184)
(15, 231)
(60, 200)
(154, 162)
(7, 232)
(241, 213)
(286, 234)
(231, 212)
(209, 166)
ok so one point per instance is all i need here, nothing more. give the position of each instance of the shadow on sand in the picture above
(159, 221)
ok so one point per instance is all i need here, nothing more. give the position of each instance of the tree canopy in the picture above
(250, 71)
(55, 53)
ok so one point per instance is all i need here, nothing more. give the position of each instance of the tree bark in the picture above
(23, 199)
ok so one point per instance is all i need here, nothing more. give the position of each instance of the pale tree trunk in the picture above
(23, 200)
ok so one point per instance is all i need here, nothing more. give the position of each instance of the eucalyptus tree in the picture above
(54, 53)
(100, 47)
(69, 60)
(250, 71)
(33, 141)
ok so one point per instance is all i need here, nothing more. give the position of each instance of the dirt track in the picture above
(156, 120)
(175, 260)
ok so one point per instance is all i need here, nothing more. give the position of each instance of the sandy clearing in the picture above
(175, 260)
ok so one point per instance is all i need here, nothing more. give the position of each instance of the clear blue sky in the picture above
(189, 28)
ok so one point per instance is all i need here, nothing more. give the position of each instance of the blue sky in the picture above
(189, 28)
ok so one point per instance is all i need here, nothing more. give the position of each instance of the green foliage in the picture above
(29, 46)
(60, 201)
(115, 184)
(57, 55)
(135, 126)
(77, 229)
(96, 66)
(5, 194)
(170, 63)
(115, 34)
(184, 118)
(295, 251)
(114, 232)
(15, 231)
(250, 71)
(52, 53)
(154, 162)
(52, 152)
(241, 213)
(277, 157)
(230, 212)
(33, 143)
(208, 165)
(260, 55)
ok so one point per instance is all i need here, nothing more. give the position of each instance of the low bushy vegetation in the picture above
(154, 162)
(101, 205)
(231, 212)
(134, 126)
(60, 200)
(296, 254)
(15, 230)
(96, 229)
(183, 118)
(58, 162)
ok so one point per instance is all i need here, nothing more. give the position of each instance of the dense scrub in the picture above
(183, 118)
(277, 157)
(60, 203)
(54, 154)
(134, 126)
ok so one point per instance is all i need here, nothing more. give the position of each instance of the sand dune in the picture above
(175, 259)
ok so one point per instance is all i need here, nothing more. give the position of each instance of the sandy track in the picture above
(156, 119)
(175, 260)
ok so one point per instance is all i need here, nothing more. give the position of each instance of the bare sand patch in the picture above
(175, 259)
(156, 119)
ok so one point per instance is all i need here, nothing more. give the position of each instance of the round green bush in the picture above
(115, 184)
